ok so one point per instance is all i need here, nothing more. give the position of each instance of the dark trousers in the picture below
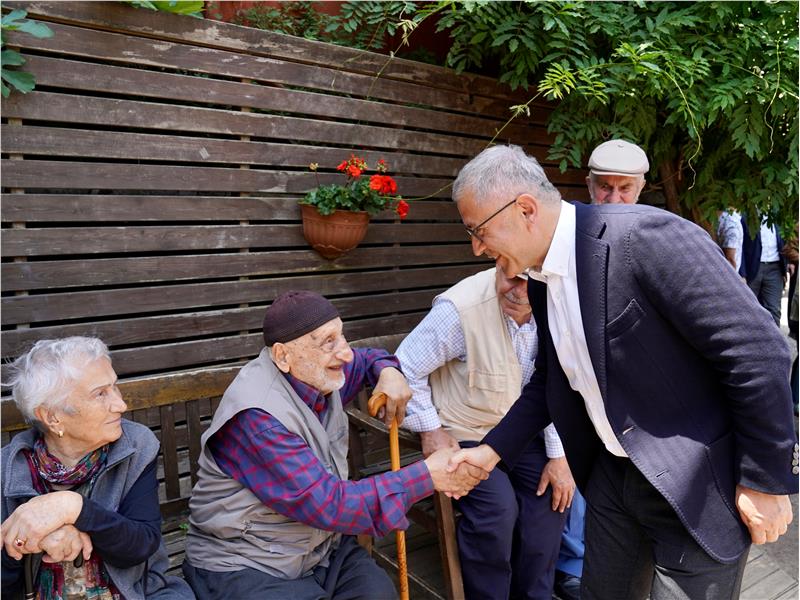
(508, 538)
(351, 575)
(768, 288)
(636, 544)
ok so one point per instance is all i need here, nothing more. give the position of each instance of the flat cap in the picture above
(294, 314)
(618, 157)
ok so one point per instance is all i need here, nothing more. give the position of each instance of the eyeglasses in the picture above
(473, 231)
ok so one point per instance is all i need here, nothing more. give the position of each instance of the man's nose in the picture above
(615, 197)
(344, 353)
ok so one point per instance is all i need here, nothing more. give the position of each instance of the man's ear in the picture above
(281, 356)
(530, 207)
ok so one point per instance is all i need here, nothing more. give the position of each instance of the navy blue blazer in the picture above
(751, 252)
(692, 370)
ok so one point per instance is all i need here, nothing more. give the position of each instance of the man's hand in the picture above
(392, 383)
(767, 516)
(435, 439)
(455, 482)
(65, 543)
(557, 474)
(482, 456)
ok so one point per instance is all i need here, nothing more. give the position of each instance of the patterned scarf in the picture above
(65, 581)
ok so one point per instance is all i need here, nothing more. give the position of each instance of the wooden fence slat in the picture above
(142, 300)
(82, 143)
(136, 82)
(47, 106)
(146, 329)
(49, 174)
(115, 271)
(116, 17)
(97, 240)
(99, 45)
(44, 208)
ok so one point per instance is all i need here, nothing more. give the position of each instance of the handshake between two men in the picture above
(449, 472)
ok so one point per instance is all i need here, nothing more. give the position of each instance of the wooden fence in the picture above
(150, 182)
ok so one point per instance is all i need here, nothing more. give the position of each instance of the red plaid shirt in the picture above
(284, 473)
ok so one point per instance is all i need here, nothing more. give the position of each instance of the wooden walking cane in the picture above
(374, 405)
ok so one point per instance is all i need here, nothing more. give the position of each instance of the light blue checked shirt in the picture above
(439, 339)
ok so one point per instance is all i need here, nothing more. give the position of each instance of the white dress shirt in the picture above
(439, 339)
(769, 244)
(566, 324)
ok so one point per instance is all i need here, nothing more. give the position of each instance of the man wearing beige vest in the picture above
(273, 514)
(466, 363)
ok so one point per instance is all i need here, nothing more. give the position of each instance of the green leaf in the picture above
(37, 30)
(11, 58)
(20, 80)
(10, 20)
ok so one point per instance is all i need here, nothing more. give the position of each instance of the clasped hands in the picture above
(45, 524)
(452, 471)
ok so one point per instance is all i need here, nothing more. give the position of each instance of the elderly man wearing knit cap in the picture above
(616, 172)
(273, 514)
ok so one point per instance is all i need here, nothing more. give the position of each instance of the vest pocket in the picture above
(487, 391)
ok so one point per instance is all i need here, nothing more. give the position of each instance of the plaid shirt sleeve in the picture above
(282, 471)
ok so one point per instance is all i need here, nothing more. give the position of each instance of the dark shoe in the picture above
(567, 587)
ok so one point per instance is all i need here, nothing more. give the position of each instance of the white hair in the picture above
(506, 171)
(46, 374)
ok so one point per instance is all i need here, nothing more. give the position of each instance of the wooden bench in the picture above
(178, 408)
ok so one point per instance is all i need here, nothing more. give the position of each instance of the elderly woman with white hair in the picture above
(79, 489)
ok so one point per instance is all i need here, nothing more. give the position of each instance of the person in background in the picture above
(466, 363)
(272, 509)
(764, 266)
(80, 489)
(730, 236)
(616, 173)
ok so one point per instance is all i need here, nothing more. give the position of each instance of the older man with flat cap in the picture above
(616, 173)
(272, 513)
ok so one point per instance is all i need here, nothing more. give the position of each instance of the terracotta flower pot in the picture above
(333, 235)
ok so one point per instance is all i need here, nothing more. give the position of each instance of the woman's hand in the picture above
(65, 543)
(40, 516)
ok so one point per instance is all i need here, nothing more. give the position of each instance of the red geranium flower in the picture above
(402, 209)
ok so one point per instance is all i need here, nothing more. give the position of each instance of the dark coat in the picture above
(751, 252)
(692, 371)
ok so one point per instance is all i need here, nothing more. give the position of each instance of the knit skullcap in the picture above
(295, 313)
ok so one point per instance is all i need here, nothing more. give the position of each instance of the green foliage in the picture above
(21, 81)
(363, 24)
(292, 18)
(193, 8)
(708, 89)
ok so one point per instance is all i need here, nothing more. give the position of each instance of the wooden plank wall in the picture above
(150, 182)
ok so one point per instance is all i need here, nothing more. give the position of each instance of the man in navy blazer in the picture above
(666, 381)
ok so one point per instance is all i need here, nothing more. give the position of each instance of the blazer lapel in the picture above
(591, 266)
